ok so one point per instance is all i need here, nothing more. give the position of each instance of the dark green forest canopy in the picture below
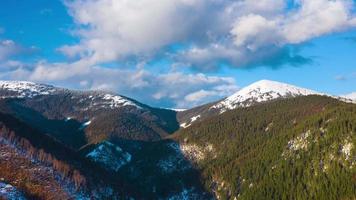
(300, 148)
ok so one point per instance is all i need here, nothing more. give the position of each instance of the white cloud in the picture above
(172, 89)
(44, 71)
(253, 31)
(118, 28)
(9, 48)
(241, 33)
(199, 95)
(350, 96)
(316, 18)
(309, 20)
(111, 30)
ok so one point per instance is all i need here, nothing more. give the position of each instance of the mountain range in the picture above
(269, 140)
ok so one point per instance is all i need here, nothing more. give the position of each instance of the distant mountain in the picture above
(261, 91)
(24, 89)
(78, 118)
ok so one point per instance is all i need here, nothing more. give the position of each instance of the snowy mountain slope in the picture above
(8, 191)
(24, 89)
(264, 90)
(91, 116)
(112, 157)
(260, 91)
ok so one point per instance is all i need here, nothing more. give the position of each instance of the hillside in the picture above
(78, 118)
(43, 168)
(260, 91)
(255, 93)
(271, 143)
(299, 148)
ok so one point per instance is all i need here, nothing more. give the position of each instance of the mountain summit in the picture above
(260, 91)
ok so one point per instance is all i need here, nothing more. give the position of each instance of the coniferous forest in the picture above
(290, 149)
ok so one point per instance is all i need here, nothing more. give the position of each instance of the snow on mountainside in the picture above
(8, 191)
(110, 156)
(21, 89)
(261, 91)
(24, 89)
(89, 112)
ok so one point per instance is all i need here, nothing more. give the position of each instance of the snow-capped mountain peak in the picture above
(261, 91)
(21, 89)
(89, 99)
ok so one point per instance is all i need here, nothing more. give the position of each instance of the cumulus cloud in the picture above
(309, 20)
(124, 28)
(112, 29)
(9, 48)
(211, 33)
(214, 30)
(171, 89)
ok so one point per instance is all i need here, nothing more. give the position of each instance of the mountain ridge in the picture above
(144, 149)
(257, 92)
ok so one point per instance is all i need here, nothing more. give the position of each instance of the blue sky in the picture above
(180, 53)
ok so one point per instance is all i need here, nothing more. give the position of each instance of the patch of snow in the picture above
(85, 124)
(261, 91)
(8, 191)
(269, 126)
(184, 125)
(300, 142)
(115, 101)
(24, 89)
(111, 156)
(196, 153)
(346, 149)
(173, 163)
(193, 152)
(193, 119)
(178, 109)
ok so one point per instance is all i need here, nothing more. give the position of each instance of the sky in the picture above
(179, 53)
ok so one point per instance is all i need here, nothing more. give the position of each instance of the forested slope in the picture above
(299, 148)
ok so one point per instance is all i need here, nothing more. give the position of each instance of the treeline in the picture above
(66, 171)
